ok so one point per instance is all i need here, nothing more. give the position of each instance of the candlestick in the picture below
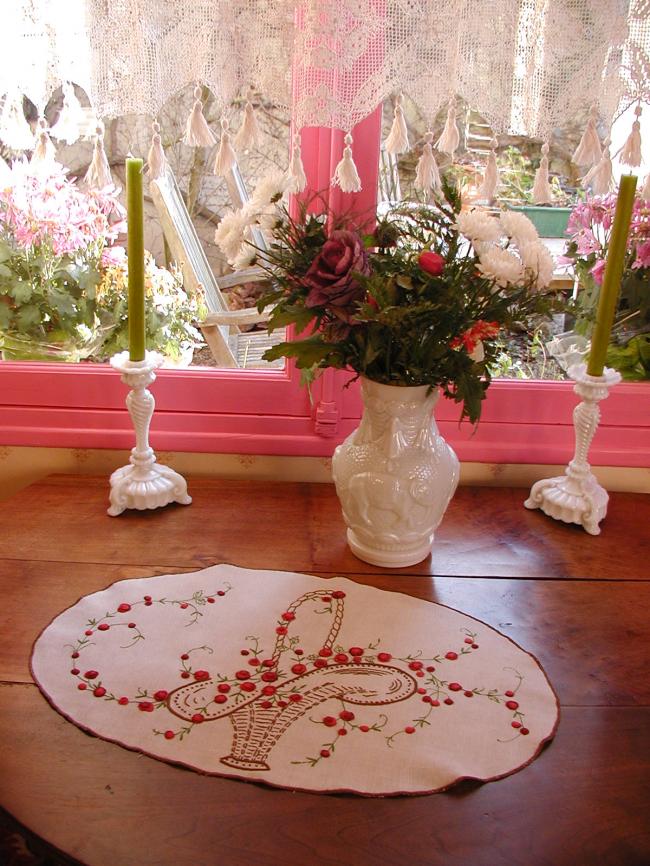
(613, 273)
(144, 483)
(576, 496)
(135, 253)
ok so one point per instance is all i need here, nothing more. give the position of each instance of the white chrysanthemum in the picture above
(539, 264)
(231, 233)
(501, 266)
(518, 226)
(269, 188)
(478, 226)
(245, 258)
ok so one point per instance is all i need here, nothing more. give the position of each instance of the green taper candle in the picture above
(135, 253)
(613, 274)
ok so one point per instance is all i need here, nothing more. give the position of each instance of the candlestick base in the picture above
(144, 483)
(576, 496)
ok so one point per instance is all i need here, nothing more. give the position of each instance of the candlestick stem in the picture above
(144, 483)
(576, 496)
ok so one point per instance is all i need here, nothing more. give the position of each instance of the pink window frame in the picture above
(233, 411)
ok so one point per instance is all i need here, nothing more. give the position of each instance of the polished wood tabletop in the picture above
(579, 603)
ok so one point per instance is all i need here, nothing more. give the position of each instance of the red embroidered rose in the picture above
(146, 707)
(160, 695)
(432, 263)
(331, 276)
(124, 607)
(202, 675)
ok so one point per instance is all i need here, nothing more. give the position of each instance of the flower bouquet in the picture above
(589, 230)
(419, 301)
(52, 238)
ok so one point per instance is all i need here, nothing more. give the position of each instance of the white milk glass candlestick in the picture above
(576, 496)
(144, 483)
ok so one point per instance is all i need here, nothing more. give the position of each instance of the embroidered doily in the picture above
(296, 681)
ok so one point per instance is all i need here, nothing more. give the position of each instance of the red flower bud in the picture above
(432, 263)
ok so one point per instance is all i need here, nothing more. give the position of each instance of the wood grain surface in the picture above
(580, 604)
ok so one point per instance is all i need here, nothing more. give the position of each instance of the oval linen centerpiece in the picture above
(300, 682)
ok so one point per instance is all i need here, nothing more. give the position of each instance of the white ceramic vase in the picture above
(394, 475)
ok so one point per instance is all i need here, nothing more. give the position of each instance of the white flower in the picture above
(231, 233)
(269, 188)
(539, 264)
(518, 226)
(501, 266)
(478, 226)
(245, 258)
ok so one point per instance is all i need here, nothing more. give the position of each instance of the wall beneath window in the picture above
(21, 466)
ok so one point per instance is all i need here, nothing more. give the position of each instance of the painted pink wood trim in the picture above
(83, 407)
(290, 436)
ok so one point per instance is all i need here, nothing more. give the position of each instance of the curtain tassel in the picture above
(490, 183)
(297, 176)
(226, 157)
(156, 161)
(599, 177)
(68, 126)
(249, 133)
(427, 176)
(631, 152)
(98, 175)
(197, 131)
(542, 192)
(398, 138)
(44, 151)
(346, 175)
(450, 138)
(14, 129)
(588, 151)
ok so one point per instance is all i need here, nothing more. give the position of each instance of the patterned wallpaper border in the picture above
(20, 466)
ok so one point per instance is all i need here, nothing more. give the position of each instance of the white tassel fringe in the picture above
(68, 126)
(490, 183)
(297, 176)
(98, 175)
(249, 133)
(197, 131)
(398, 138)
(588, 152)
(14, 129)
(156, 161)
(599, 177)
(450, 138)
(226, 157)
(542, 191)
(427, 176)
(44, 151)
(346, 175)
(631, 152)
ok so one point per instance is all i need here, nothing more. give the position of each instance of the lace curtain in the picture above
(525, 65)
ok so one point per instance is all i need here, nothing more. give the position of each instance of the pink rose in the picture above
(330, 278)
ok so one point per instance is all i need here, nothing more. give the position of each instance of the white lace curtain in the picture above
(526, 65)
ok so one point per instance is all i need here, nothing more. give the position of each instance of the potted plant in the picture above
(414, 309)
(52, 238)
(170, 312)
(589, 233)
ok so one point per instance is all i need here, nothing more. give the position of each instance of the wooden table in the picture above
(579, 603)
